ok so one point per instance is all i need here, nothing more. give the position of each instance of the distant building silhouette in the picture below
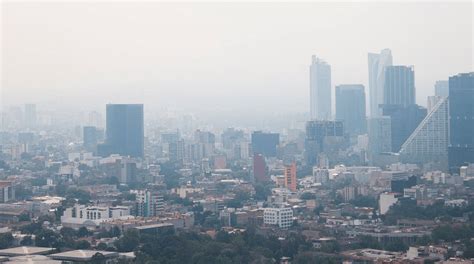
(265, 143)
(442, 88)
(350, 108)
(320, 89)
(30, 116)
(124, 131)
(399, 87)
(89, 135)
(461, 120)
(317, 135)
(377, 64)
(259, 168)
(380, 137)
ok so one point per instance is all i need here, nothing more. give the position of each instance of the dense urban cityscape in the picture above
(375, 178)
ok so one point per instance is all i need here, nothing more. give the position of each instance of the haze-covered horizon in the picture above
(203, 57)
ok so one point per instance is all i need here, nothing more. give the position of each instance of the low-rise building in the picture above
(91, 216)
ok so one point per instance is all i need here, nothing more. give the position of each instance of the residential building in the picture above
(290, 177)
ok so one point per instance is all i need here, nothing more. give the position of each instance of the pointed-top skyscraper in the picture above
(320, 89)
(377, 64)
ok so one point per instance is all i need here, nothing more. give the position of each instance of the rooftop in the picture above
(22, 251)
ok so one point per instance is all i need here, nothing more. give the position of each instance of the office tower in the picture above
(404, 120)
(380, 137)
(207, 140)
(173, 146)
(442, 88)
(461, 120)
(320, 89)
(259, 168)
(231, 136)
(350, 107)
(89, 135)
(377, 64)
(265, 143)
(124, 130)
(399, 88)
(290, 177)
(148, 203)
(30, 116)
(127, 170)
(429, 142)
(319, 136)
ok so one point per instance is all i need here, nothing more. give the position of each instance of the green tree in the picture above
(83, 244)
(6, 240)
(129, 241)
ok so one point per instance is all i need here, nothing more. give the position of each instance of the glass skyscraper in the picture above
(377, 64)
(461, 120)
(350, 108)
(124, 130)
(399, 88)
(320, 89)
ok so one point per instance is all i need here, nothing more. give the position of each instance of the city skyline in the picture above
(93, 63)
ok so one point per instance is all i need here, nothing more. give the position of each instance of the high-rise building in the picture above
(148, 203)
(206, 140)
(30, 116)
(399, 87)
(377, 64)
(433, 101)
(320, 89)
(429, 142)
(442, 88)
(380, 137)
(89, 135)
(259, 168)
(231, 136)
(350, 108)
(404, 120)
(124, 130)
(290, 177)
(318, 134)
(173, 146)
(461, 120)
(265, 143)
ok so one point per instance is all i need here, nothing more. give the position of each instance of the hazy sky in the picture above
(239, 56)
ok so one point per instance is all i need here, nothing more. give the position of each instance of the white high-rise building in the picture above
(281, 217)
(429, 141)
(320, 89)
(377, 64)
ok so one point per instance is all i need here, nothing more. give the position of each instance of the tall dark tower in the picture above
(399, 87)
(350, 108)
(124, 130)
(461, 120)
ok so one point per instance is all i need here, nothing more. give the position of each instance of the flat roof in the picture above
(154, 226)
(82, 255)
(32, 259)
(22, 251)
